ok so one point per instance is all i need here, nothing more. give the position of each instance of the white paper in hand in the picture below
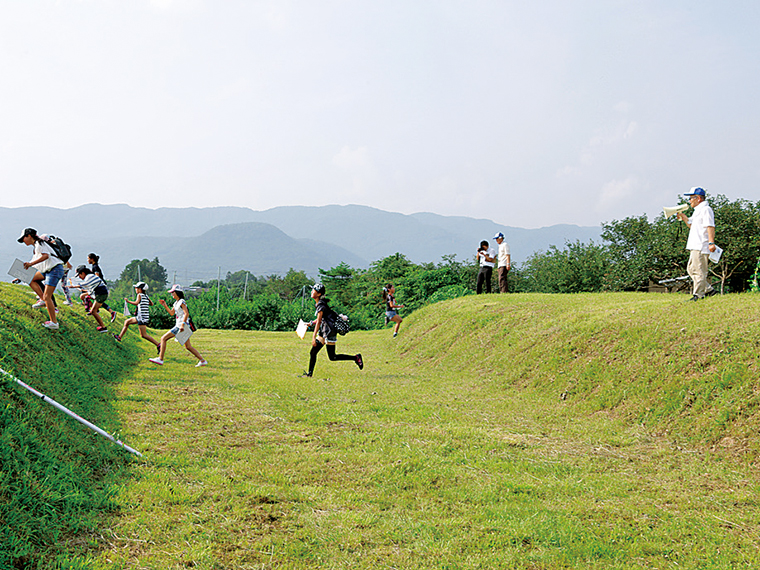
(183, 335)
(301, 328)
(715, 255)
(18, 272)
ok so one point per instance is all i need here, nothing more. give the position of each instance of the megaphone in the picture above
(672, 210)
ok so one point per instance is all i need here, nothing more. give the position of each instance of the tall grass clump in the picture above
(55, 475)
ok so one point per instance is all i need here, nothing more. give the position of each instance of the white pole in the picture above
(65, 410)
(218, 286)
(245, 289)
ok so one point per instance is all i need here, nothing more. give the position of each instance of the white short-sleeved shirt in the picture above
(41, 247)
(702, 218)
(180, 308)
(503, 253)
(490, 252)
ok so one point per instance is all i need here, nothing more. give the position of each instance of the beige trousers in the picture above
(697, 270)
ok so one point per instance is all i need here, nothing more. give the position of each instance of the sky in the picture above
(526, 113)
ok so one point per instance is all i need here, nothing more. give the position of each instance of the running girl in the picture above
(142, 319)
(182, 323)
(325, 333)
(93, 260)
(65, 283)
(389, 292)
(96, 289)
(49, 273)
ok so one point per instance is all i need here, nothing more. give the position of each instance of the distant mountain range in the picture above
(194, 243)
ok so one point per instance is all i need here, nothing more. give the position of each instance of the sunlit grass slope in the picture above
(516, 431)
(55, 474)
(673, 367)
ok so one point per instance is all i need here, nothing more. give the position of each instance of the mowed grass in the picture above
(447, 450)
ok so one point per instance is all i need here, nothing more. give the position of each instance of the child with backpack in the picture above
(96, 289)
(49, 272)
(142, 319)
(325, 332)
(183, 325)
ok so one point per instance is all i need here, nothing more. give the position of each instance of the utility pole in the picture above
(245, 289)
(218, 287)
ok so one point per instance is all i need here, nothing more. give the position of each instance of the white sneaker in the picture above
(38, 304)
(50, 325)
(67, 303)
(156, 360)
(201, 363)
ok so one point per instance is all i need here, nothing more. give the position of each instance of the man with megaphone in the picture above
(700, 243)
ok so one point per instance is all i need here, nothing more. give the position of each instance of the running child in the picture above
(65, 283)
(142, 319)
(96, 289)
(182, 324)
(325, 332)
(391, 314)
(49, 273)
(93, 260)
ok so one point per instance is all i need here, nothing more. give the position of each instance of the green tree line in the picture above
(634, 253)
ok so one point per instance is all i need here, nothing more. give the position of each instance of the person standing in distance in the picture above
(700, 243)
(505, 262)
(487, 257)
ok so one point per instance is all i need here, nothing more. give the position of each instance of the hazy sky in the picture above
(527, 113)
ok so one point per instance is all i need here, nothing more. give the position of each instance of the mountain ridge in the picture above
(307, 237)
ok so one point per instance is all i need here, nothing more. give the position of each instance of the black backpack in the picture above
(61, 249)
(340, 323)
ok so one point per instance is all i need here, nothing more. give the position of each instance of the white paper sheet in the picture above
(301, 328)
(182, 336)
(715, 255)
(18, 272)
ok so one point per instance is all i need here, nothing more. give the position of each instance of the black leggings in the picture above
(330, 354)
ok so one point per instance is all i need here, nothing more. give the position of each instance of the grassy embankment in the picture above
(56, 476)
(522, 431)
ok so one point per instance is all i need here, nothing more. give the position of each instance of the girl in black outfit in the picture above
(325, 333)
(93, 259)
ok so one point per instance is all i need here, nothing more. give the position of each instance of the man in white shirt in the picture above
(701, 242)
(505, 262)
(487, 257)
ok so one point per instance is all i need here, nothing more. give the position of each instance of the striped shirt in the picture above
(92, 282)
(143, 307)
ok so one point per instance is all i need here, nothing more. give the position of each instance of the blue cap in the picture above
(499, 235)
(696, 191)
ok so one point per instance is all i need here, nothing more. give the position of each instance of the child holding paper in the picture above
(181, 330)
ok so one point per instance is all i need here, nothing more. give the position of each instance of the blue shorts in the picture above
(390, 314)
(53, 276)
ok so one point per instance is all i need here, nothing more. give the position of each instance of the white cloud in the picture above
(616, 192)
(352, 159)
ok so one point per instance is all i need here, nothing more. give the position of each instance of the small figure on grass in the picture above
(391, 314)
(325, 333)
(182, 330)
(142, 320)
(94, 287)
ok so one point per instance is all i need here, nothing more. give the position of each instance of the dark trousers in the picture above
(503, 285)
(330, 354)
(484, 276)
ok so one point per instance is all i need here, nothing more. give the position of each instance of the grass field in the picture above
(524, 431)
